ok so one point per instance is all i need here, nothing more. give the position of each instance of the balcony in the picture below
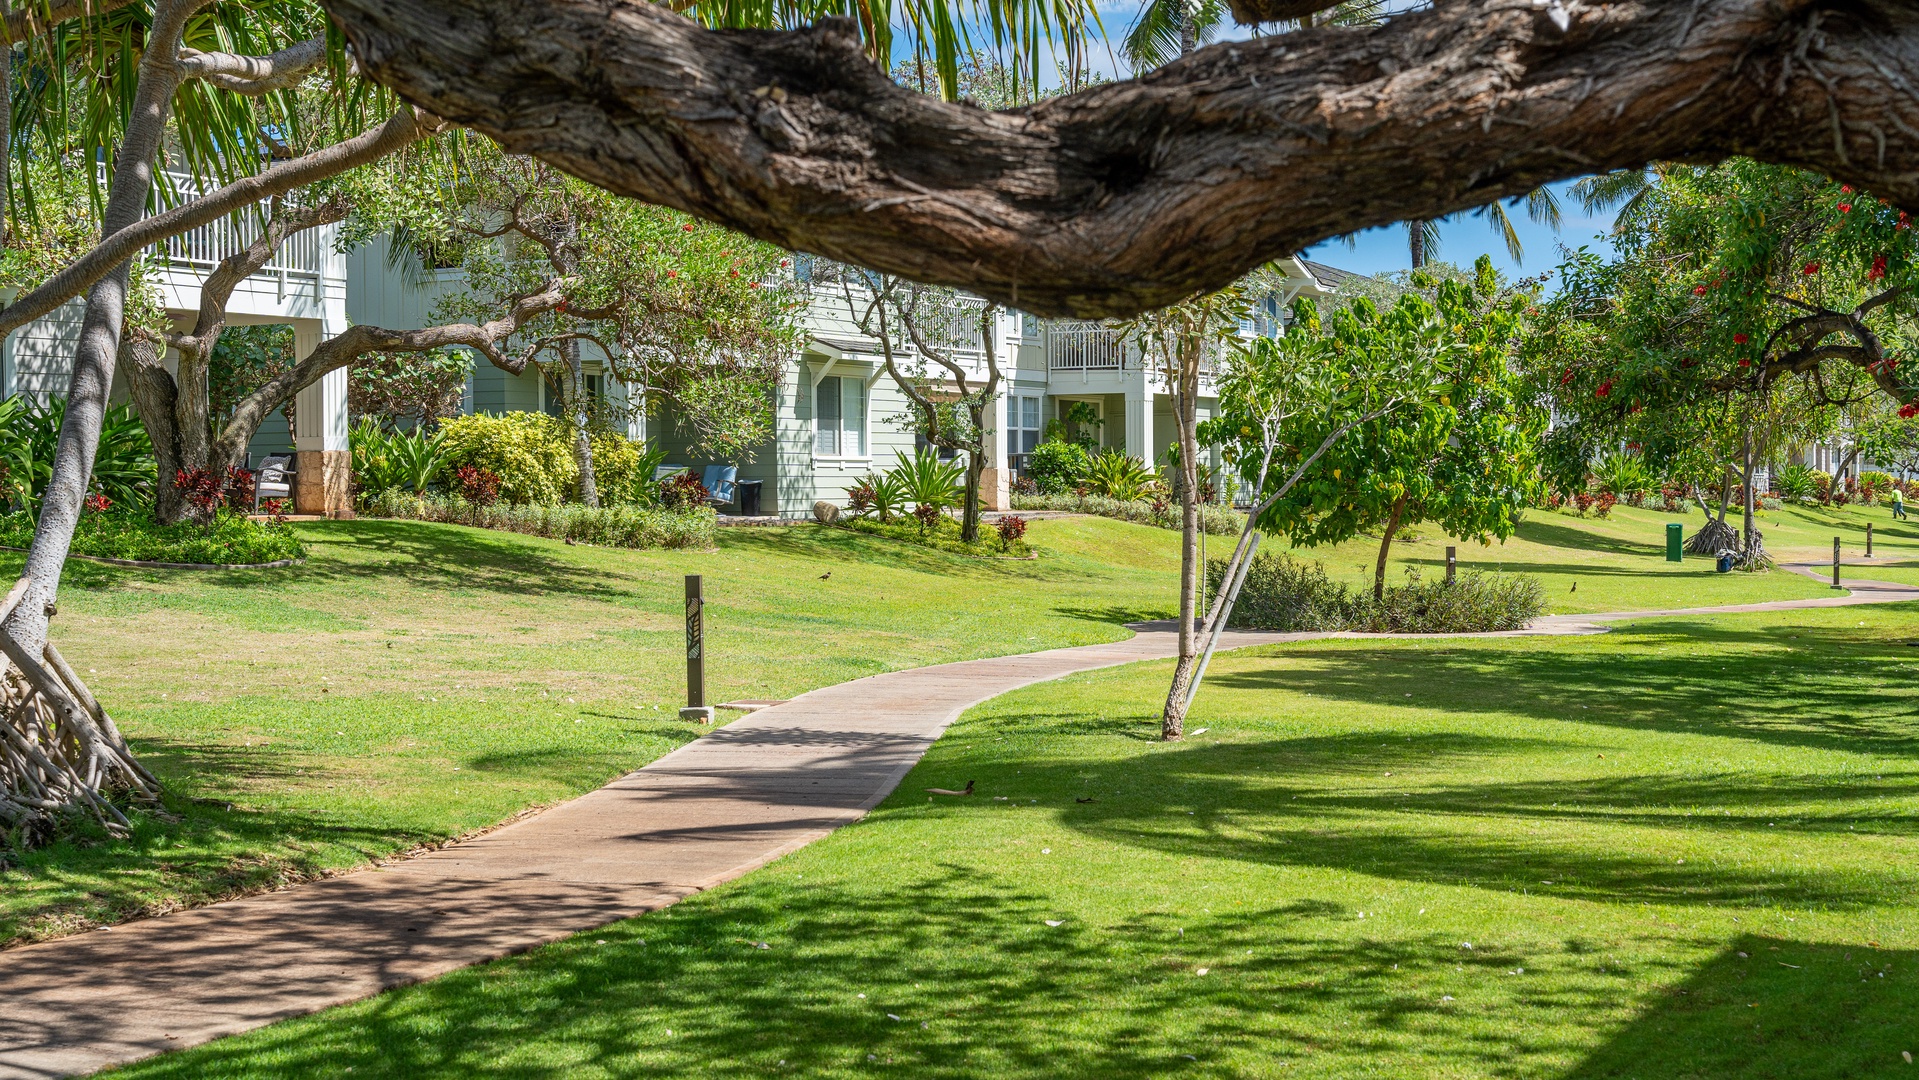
(1086, 346)
(304, 254)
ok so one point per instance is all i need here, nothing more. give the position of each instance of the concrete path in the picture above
(708, 812)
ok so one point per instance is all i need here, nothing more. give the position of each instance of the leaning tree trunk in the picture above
(64, 757)
(969, 502)
(1752, 555)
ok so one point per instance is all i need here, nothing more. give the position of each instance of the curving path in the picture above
(708, 812)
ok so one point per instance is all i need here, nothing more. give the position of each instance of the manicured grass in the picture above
(415, 682)
(1618, 563)
(1685, 849)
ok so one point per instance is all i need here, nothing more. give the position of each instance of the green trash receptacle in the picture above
(1675, 541)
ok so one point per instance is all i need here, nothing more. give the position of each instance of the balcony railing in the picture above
(304, 253)
(952, 325)
(1085, 346)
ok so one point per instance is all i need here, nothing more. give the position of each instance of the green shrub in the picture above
(1795, 482)
(230, 538)
(623, 470)
(529, 452)
(607, 526)
(928, 481)
(1286, 595)
(1875, 479)
(1118, 475)
(123, 466)
(1623, 475)
(1214, 520)
(1055, 467)
(943, 533)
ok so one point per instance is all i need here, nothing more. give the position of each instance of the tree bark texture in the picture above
(579, 414)
(1132, 195)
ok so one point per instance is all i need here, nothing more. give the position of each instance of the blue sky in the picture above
(1466, 237)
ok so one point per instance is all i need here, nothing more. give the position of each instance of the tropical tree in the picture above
(1463, 456)
(1760, 296)
(917, 324)
(279, 116)
(1284, 403)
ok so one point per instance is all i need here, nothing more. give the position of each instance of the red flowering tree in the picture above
(1735, 288)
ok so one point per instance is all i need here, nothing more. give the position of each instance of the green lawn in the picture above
(1618, 563)
(1682, 850)
(416, 682)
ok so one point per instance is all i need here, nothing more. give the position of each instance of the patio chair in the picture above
(273, 479)
(667, 472)
(719, 481)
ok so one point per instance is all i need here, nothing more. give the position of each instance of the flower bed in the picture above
(607, 526)
(230, 539)
(1214, 519)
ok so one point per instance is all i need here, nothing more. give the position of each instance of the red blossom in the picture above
(687, 227)
(1740, 339)
(1845, 208)
(1907, 412)
(1567, 377)
(1699, 290)
(1745, 363)
(1878, 269)
(1811, 269)
(1845, 189)
(1605, 388)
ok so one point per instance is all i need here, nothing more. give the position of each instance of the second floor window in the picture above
(839, 417)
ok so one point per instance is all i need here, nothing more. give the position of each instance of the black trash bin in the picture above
(748, 494)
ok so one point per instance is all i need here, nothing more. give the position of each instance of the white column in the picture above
(323, 480)
(1139, 419)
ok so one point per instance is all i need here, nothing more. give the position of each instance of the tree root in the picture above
(61, 756)
(1717, 536)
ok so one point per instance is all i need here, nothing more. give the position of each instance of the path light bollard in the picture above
(1868, 539)
(1452, 564)
(696, 706)
(1835, 562)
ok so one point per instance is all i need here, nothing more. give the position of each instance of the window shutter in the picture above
(826, 416)
(853, 418)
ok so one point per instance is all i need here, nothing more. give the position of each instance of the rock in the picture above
(825, 513)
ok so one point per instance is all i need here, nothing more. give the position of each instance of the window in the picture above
(1022, 425)
(839, 417)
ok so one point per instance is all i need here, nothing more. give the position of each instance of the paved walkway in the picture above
(708, 812)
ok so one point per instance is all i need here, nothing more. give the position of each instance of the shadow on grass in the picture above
(1782, 685)
(1775, 1008)
(1551, 534)
(1325, 802)
(954, 974)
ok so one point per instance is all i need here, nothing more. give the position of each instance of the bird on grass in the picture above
(1575, 587)
(826, 575)
(949, 791)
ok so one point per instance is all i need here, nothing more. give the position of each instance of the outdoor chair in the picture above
(273, 479)
(719, 481)
(662, 473)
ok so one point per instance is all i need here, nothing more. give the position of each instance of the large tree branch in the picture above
(31, 20)
(254, 75)
(1131, 195)
(403, 129)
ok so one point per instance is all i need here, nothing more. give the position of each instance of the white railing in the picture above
(303, 254)
(1084, 346)
(952, 325)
